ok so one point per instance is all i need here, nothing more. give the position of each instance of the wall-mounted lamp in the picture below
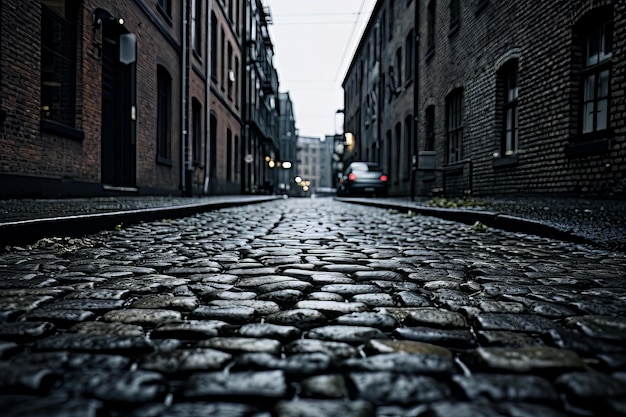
(100, 15)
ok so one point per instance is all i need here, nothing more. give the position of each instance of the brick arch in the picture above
(581, 8)
(509, 56)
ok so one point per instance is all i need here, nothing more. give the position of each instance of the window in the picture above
(236, 74)
(213, 146)
(213, 47)
(229, 155)
(231, 73)
(430, 129)
(430, 39)
(166, 7)
(237, 157)
(383, 26)
(510, 121)
(223, 60)
(455, 16)
(454, 124)
(399, 66)
(196, 26)
(596, 73)
(409, 47)
(58, 62)
(164, 114)
(397, 150)
(408, 138)
(391, 22)
(196, 115)
(237, 16)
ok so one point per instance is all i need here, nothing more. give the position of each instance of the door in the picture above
(118, 111)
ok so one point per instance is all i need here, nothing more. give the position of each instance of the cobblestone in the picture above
(311, 308)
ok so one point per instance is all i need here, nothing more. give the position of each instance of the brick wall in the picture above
(19, 99)
(543, 42)
(55, 163)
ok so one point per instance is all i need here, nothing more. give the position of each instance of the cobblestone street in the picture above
(311, 307)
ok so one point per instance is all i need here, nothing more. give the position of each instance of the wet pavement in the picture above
(312, 307)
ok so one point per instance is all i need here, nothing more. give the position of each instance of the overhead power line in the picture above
(345, 52)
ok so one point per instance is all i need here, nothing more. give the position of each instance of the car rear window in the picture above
(362, 166)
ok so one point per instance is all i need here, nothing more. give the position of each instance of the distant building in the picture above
(309, 153)
(288, 145)
(491, 97)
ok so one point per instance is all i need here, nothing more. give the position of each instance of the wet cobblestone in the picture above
(312, 308)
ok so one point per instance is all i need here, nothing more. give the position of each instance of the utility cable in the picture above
(356, 24)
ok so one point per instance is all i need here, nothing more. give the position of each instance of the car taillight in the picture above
(383, 178)
(352, 176)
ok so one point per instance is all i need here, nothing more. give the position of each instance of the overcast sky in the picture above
(314, 41)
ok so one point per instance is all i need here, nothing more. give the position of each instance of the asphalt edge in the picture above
(490, 219)
(27, 232)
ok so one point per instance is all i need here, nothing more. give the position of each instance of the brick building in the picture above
(261, 103)
(226, 96)
(106, 97)
(505, 97)
(288, 144)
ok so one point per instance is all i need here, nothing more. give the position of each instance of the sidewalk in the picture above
(598, 222)
(25, 221)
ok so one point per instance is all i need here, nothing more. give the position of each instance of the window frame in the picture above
(164, 116)
(431, 26)
(214, 43)
(509, 76)
(454, 127)
(408, 139)
(165, 6)
(198, 132)
(429, 118)
(455, 17)
(196, 23)
(593, 71)
(51, 52)
(409, 61)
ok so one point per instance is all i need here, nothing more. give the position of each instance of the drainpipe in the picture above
(185, 175)
(207, 99)
(416, 87)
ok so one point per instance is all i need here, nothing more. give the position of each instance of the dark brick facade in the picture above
(44, 158)
(467, 56)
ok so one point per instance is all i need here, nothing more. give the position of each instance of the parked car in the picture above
(363, 178)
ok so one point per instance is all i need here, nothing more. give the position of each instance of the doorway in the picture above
(118, 141)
